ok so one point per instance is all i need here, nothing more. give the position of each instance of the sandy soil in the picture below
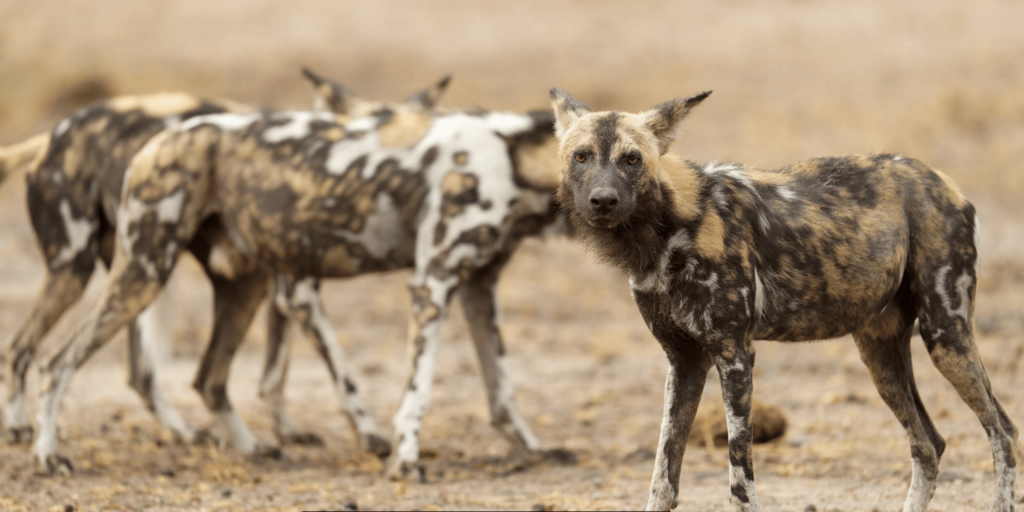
(936, 80)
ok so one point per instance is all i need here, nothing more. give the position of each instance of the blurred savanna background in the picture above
(941, 81)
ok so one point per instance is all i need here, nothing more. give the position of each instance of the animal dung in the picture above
(768, 422)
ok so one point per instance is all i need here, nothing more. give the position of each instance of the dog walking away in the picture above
(74, 178)
(300, 196)
(74, 175)
(720, 255)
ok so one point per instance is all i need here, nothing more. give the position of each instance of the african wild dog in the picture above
(300, 197)
(333, 97)
(73, 185)
(719, 255)
(74, 176)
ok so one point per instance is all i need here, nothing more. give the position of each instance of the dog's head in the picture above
(609, 159)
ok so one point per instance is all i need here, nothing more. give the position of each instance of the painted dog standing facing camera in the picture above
(720, 255)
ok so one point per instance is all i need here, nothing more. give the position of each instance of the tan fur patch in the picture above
(25, 155)
(156, 105)
(337, 261)
(956, 196)
(767, 177)
(539, 165)
(684, 181)
(455, 183)
(333, 134)
(404, 130)
(710, 241)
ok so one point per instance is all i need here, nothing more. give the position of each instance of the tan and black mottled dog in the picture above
(301, 196)
(720, 255)
(74, 178)
(73, 185)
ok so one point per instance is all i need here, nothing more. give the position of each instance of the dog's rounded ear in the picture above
(567, 109)
(427, 98)
(330, 95)
(666, 119)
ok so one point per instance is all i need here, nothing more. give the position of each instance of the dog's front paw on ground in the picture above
(376, 445)
(18, 435)
(401, 470)
(54, 465)
(205, 436)
(266, 451)
(560, 456)
(301, 439)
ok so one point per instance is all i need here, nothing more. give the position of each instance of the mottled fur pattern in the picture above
(302, 196)
(719, 255)
(73, 183)
(75, 176)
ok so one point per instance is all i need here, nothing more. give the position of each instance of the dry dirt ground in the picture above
(937, 80)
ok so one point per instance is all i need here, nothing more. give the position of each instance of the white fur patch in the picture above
(78, 232)
(226, 122)
(155, 345)
(171, 121)
(62, 127)
(493, 168)
(714, 168)
(658, 280)
(963, 285)
(46, 415)
(763, 222)
(507, 123)
(382, 228)
(758, 295)
(168, 209)
(744, 291)
(977, 243)
(786, 193)
(220, 261)
(238, 434)
(14, 413)
(298, 125)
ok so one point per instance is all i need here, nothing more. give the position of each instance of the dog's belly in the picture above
(328, 251)
(827, 300)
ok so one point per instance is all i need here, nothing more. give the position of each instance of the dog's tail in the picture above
(19, 157)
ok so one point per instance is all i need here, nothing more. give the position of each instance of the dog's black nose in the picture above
(604, 199)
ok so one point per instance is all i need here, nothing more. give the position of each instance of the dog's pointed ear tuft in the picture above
(567, 109)
(330, 95)
(666, 119)
(427, 98)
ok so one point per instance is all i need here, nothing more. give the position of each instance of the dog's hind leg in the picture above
(130, 289)
(62, 288)
(479, 302)
(275, 373)
(950, 342)
(147, 338)
(235, 303)
(884, 348)
(945, 282)
(302, 301)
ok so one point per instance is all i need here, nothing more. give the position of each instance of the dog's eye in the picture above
(632, 159)
(580, 157)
